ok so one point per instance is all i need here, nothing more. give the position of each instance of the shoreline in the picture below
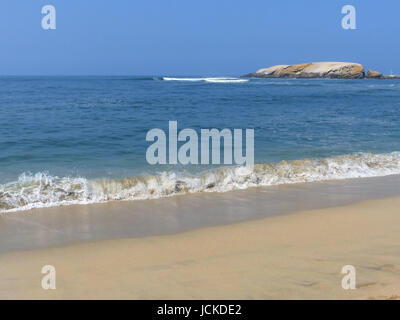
(59, 226)
(296, 256)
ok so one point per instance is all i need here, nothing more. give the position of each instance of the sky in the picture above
(186, 37)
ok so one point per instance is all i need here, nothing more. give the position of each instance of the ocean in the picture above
(80, 140)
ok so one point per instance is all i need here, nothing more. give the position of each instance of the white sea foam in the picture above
(42, 190)
(211, 80)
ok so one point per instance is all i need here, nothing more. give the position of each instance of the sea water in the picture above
(66, 140)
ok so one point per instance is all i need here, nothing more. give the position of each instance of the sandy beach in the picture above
(293, 256)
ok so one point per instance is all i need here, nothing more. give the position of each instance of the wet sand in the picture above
(294, 256)
(50, 227)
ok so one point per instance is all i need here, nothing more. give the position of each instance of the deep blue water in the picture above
(96, 126)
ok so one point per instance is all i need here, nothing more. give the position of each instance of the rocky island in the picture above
(329, 70)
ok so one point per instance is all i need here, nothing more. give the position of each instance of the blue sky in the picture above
(186, 37)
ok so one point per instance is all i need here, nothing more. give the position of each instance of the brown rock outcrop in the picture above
(374, 74)
(340, 70)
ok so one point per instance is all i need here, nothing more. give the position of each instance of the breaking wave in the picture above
(211, 80)
(43, 190)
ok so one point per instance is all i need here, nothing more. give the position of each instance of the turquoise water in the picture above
(82, 139)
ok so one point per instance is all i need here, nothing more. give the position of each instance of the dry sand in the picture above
(296, 256)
